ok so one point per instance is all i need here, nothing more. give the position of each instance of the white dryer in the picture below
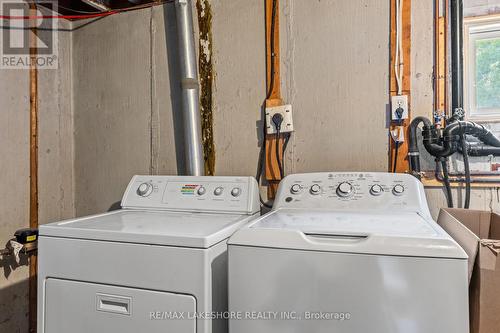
(157, 265)
(347, 253)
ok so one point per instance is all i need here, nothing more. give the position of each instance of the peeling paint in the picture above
(205, 64)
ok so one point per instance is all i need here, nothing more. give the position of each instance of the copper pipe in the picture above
(33, 73)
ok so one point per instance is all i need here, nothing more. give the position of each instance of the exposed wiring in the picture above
(398, 73)
(398, 139)
(76, 10)
(87, 15)
(285, 145)
(278, 120)
(69, 17)
(278, 155)
(396, 150)
(399, 56)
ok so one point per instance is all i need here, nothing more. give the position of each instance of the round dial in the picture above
(218, 191)
(145, 189)
(315, 189)
(376, 190)
(202, 190)
(295, 189)
(398, 189)
(235, 192)
(345, 189)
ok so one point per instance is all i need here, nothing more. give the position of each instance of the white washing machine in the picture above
(347, 253)
(157, 265)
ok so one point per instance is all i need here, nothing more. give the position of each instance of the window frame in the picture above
(477, 28)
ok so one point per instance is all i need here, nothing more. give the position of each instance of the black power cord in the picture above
(396, 151)
(399, 115)
(278, 120)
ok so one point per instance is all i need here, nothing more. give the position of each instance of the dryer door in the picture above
(80, 307)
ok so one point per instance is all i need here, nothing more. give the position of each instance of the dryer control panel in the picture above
(197, 194)
(352, 191)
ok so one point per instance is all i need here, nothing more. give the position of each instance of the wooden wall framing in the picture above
(272, 172)
(402, 163)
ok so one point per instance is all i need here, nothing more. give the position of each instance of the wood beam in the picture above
(272, 171)
(33, 75)
(441, 58)
(402, 159)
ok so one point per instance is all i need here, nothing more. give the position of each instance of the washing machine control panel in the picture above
(352, 191)
(198, 194)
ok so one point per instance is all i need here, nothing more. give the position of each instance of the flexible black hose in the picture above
(413, 152)
(446, 181)
(467, 171)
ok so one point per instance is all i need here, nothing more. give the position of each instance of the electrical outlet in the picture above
(286, 112)
(398, 134)
(399, 101)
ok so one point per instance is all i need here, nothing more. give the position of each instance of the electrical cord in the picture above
(260, 166)
(395, 166)
(278, 120)
(399, 121)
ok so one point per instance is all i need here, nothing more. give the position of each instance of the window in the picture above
(482, 67)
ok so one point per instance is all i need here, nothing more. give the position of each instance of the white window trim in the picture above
(475, 27)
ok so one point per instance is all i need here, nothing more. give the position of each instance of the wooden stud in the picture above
(272, 172)
(441, 58)
(402, 164)
(33, 74)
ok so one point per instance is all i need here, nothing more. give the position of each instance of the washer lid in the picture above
(198, 230)
(401, 234)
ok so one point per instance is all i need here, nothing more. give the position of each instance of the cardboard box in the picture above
(478, 232)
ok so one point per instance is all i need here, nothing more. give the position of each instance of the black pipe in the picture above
(472, 180)
(467, 169)
(477, 173)
(457, 59)
(445, 179)
(478, 149)
(413, 152)
(447, 144)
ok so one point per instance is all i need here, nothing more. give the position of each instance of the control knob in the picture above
(398, 189)
(376, 190)
(235, 192)
(345, 189)
(145, 189)
(202, 190)
(218, 191)
(295, 189)
(315, 189)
